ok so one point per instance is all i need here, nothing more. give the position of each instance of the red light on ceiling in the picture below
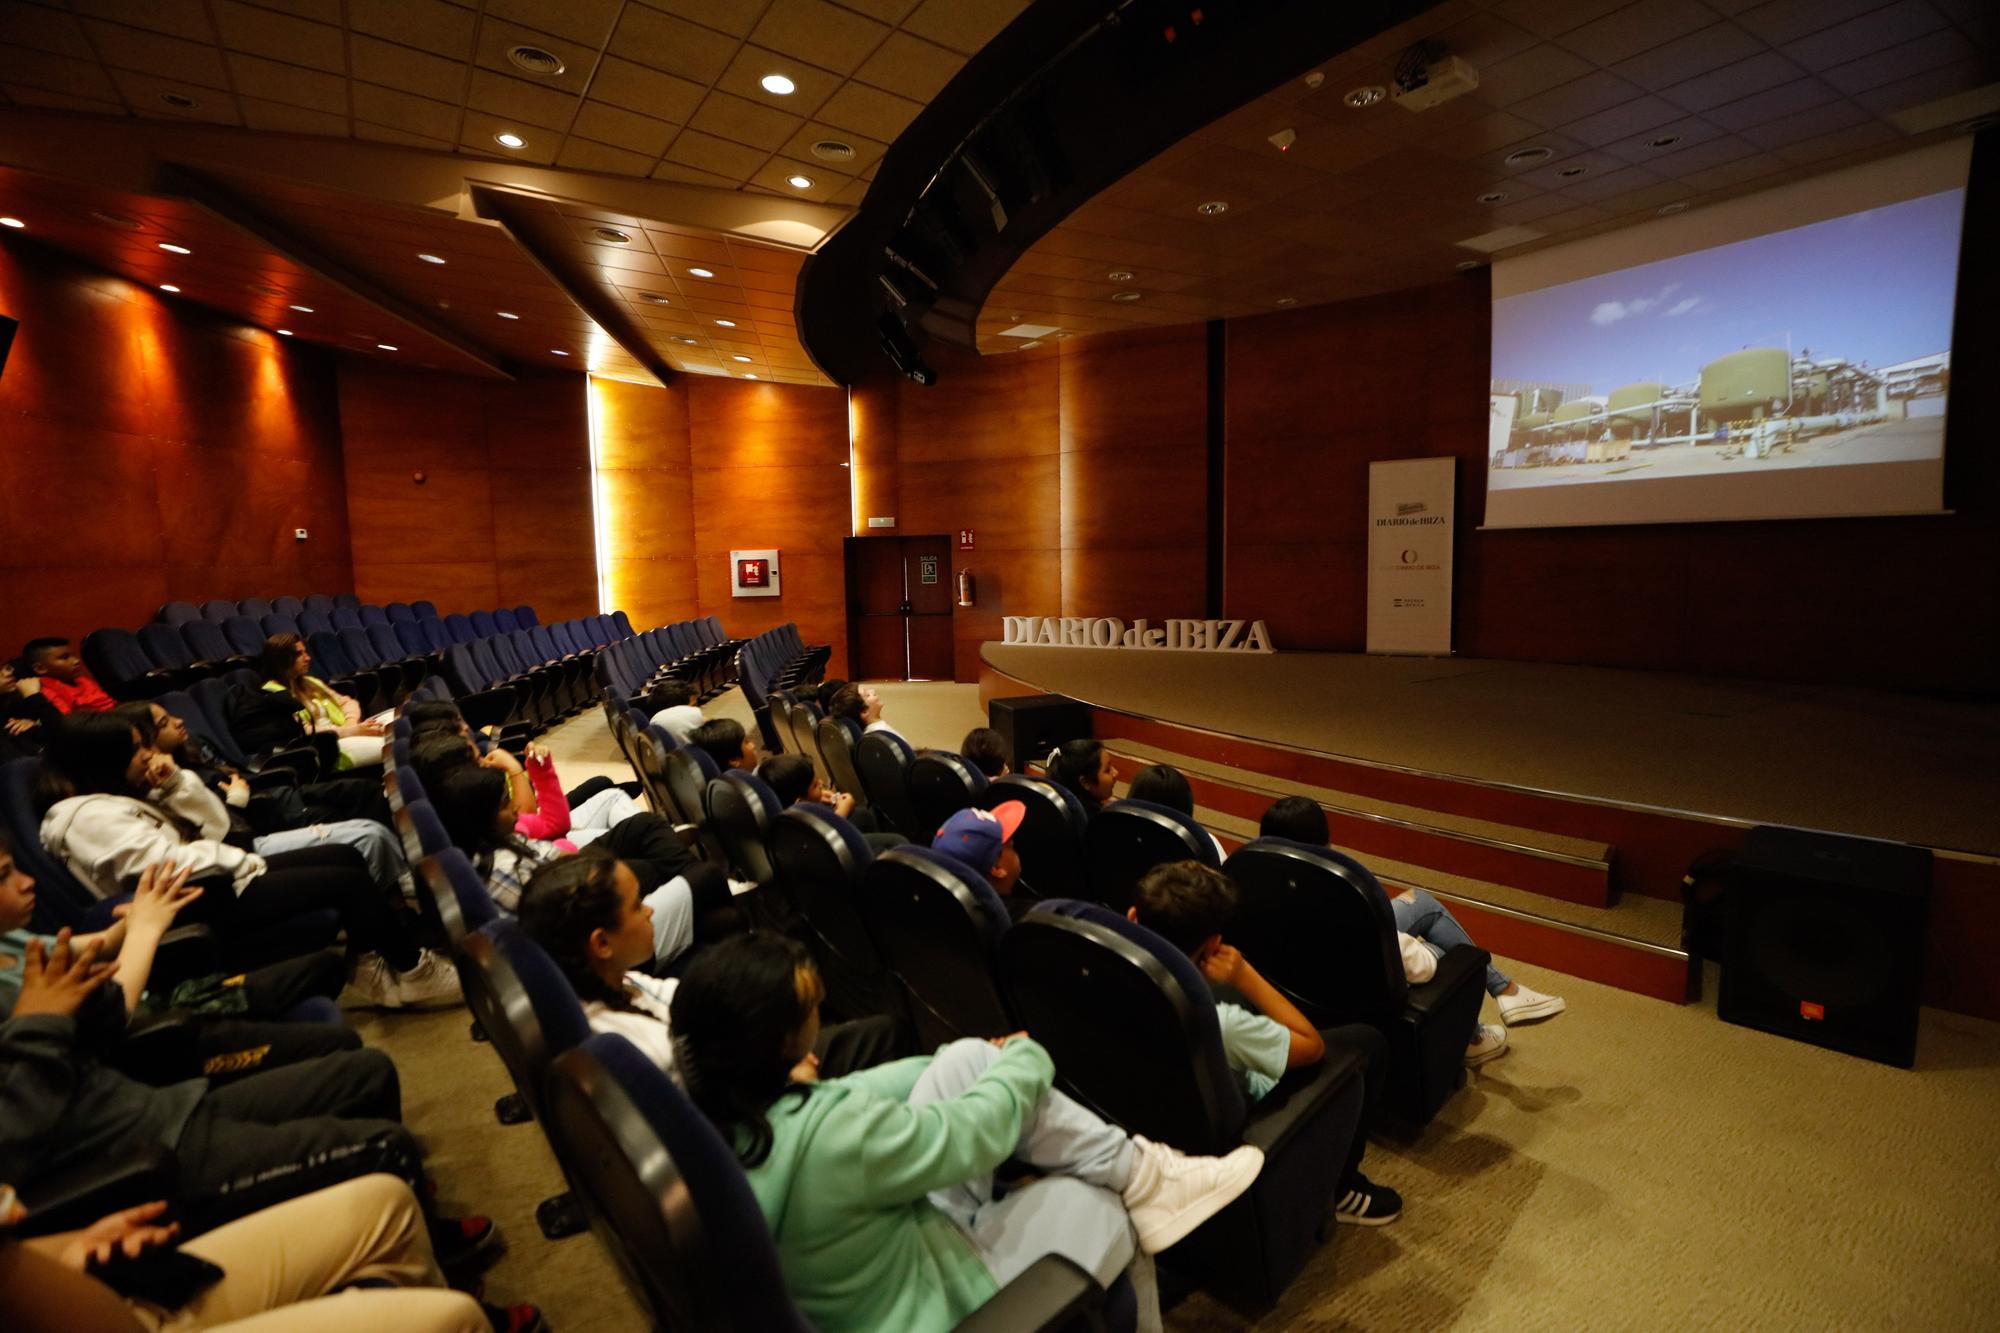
(1194, 17)
(1169, 34)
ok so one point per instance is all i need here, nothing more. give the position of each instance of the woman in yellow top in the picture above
(287, 670)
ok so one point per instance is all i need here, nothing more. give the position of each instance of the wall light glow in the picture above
(600, 533)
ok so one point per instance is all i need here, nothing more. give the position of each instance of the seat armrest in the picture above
(68, 1200)
(158, 1050)
(1052, 1294)
(1280, 1114)
(185, 952)
(1461, 965)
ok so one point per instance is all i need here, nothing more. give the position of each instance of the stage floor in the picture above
(1844, 760)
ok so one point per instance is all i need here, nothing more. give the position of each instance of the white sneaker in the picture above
(373, 985)
(433, 981)
(1527, 1006)
(1489, 1041)
(1170, 1193)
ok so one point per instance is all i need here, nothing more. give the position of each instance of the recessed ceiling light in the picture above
(387, 347)
(739, 357)
(613, 235)
(1465, 264)
(691, 342)
(726, 323)
(654, 298)
(778, 84)
(429, 258)
(748, 376)
(1364, 96)
(1521, 157)
(1126, 296)
(1120, 275)
(1664, 141)
(1288, 300)
(833, 150)
(181, 100)
(510, 141)
(799, 182)
(168, 287)
(506, 314)
(1678, 206)
(1492, 196)
(1212, 208)
(1571, 173)
(303, 309)
(535, 60)
(557, 351)
(173, 249)
(12, 222)
(284, 333)
(701, 273)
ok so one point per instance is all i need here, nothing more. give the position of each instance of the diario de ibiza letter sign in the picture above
(1198, 636)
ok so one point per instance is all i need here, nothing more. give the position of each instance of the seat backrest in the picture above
(1050, 839)
(60, 898)
(425, 610)
(882, 760)
(741, 807)
(346, 617)
(257, 607)
(688, 770)
(329, 656)
(504, 620)
(467, 676)
(164, 646)
(459, 627)
(347, 599)
(178, 613)
(218, 610)
(526, 616)
(245, 635)
(941, 785)
(482, 624)
(371, 614)
(277, 623)
(664, 1193)
(621, 624)
(400, 612)
(360, 649)
(319, 601)
(194, 717)
(523, 1002)
(114, 656)
(819, 859)
(422, 831)
(205, 639)
(837, 738)
(212, 697)
(410, 635)
(649, 747)
(938, 925)
(1320, 927)
(315, 622)
(287, 606)
(1126, 839)
(1129, 1021)
(388, 647)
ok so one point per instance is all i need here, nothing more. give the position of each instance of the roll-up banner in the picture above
(1409, 555)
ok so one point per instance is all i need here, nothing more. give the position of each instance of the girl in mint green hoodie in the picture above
(878, 1187)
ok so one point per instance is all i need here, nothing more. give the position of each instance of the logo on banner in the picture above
(1186, 636)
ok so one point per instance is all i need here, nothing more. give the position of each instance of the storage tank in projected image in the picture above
(1573, 420)
(1630, 409)
(1746, 385)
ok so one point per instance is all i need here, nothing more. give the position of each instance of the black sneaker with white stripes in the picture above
(1363, 1203)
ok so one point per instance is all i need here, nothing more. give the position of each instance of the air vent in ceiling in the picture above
(181, 100)
(833, 150)
(1523, 157)
(613, 235)
(535, 60)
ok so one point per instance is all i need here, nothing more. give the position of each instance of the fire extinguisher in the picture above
(965, 593)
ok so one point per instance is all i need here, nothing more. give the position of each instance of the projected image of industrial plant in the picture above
(1819, 346)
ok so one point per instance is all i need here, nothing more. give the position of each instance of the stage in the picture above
(1560, 797)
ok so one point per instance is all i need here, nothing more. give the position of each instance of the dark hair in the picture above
(561, 904)
(274, 659)
(736, 1006)
(433, 713)
(847, 702)
(822, 693)
(1072, 762)
(984, 750)
(1186, 902)
(138, 714)
(467, 799)
(86, 754)
(1163, 784)
(1296, 817)
(670, 690)
(32, 650)
(722, 737)
(789, 775)
(433, 753)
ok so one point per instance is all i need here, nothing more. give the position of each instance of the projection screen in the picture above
(1782, 355)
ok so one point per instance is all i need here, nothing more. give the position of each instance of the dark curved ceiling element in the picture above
(1065, 101)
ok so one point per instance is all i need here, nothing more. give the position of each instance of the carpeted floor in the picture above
(1627, 1165)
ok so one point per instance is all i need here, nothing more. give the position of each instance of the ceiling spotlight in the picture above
(510, 140)
(168, 287)
(1213, 208)
(1668, 210)
(1492, 196)
(303, 309)
(691, 342)
(739, 357)
(173, 249)
(1521, 157)
(726, 323)
(557, 351)
(387, 347)
(12, 222)
(613, 235)
(1120, 275)
(429, 258)
(1664, 141)
(748, 376)
(778, 84)
(654, 298)
(284, 333)
(1365, 96)
(181, 100)
(700, 273)
(1126, 296)
(799, 182)
(1465, 265)
(506, 314)
(1571, 173)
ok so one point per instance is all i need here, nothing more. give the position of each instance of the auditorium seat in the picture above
(524, 1005)
(346, 617)
(667, 1197)
(687, 770)
(371, 614)
(1126, 839)
(741, 807)
(168, 651)
(1318, 926)
(218, 610)
(820, 859)
(941, 785)
(122, 667)
(287, 606)
(346, 601)
(937, 924)
(400, 612)
(1050, 839)
(882, 761)
(1132, 1027)
(524, 614)
(254, 607)
(245, 635)
(177, 613)
(422, 832)
(319, 602)
(837, 738)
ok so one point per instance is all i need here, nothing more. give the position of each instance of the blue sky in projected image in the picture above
(1875, 286)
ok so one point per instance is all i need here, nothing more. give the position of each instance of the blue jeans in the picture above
(1429, 920)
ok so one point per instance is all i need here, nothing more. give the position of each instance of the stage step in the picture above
(1634, 945)
(1552, 865)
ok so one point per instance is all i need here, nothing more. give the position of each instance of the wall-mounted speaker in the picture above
(1031, 725)
(1826, 941)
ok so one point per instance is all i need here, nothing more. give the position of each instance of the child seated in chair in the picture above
(1188, 904)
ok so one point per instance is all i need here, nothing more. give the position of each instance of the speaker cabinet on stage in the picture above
(1032, 725)
(1826, 941)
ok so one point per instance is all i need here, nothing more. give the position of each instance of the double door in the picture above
(899, 598)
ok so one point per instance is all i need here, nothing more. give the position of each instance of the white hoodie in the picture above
(1419, 963)
(108, 841)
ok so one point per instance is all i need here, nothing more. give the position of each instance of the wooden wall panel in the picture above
(648, 498)
(873, 446)
(154, 451)
(769, 470)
